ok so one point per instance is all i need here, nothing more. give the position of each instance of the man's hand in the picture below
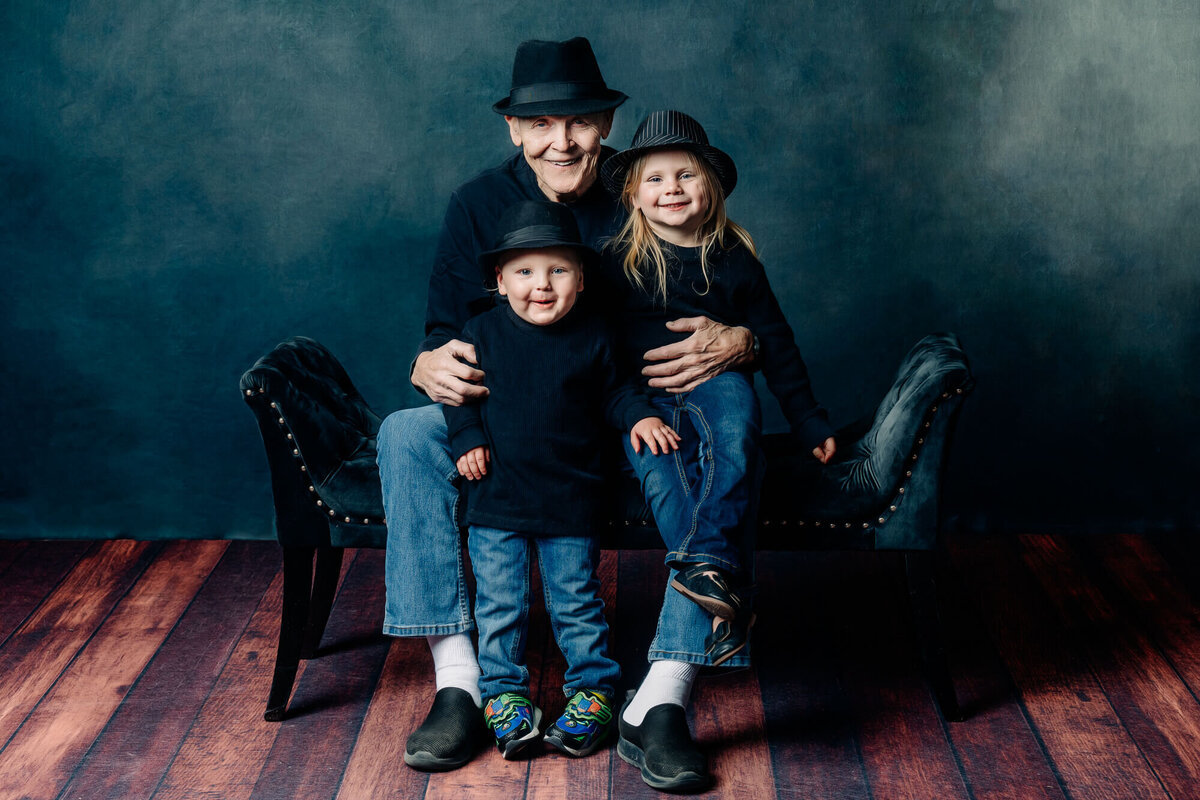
(655, 433)
(473, 464)
(710, 350)
(824, 452)
(447, 375)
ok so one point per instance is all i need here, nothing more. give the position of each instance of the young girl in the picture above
(681, 257)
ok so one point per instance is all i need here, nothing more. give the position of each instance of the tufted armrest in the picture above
(883, 488)
(319, 434)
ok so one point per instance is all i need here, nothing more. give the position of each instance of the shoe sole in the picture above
(631, 754)
(712, 606)
(518, 746)
(559, 744)
(428, 762)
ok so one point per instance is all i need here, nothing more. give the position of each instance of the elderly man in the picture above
(558, 113)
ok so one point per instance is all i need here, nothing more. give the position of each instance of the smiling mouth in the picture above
(563, 164)
(672, 206)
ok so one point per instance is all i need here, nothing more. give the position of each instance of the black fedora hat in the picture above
(557, 78)
(668, 130)
(531, 225)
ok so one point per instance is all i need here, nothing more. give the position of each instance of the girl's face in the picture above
(670, 192)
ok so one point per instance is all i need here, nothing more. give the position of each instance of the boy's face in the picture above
(541, 284)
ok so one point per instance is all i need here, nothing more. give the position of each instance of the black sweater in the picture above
(738, 294)
(551, 390)
(471, 226)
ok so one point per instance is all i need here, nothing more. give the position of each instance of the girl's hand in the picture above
(824, 452)
(473, 464)
(655, 433)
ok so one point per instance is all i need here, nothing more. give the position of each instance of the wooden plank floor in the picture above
(140, 670)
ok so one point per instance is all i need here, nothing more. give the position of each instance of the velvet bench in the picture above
(882, 491)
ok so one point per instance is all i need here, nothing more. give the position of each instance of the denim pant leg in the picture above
(666, 483)
(423, 572)
(572, 591)
(501, 563)
(727, 418)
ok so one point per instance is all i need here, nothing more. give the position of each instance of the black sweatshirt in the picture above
(472, 226)
(551, 390)
(738, 295)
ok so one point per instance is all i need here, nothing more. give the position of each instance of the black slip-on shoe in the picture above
(708, 587)
(449, 736)
(662, 748)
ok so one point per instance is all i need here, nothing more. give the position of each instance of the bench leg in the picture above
(329, 570)
(297, 591)
(921, 571)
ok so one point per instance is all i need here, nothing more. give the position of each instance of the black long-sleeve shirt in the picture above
(737, 294)
(552, 389)
(472, 226)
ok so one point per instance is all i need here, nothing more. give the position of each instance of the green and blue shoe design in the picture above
(584, 724)
(514, 720)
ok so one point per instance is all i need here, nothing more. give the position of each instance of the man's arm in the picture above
(444, 369)
(712, 349)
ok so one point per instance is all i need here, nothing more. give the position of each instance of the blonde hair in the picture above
(645, 262)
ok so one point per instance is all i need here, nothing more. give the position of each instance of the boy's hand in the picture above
(824, 452)
(473, 464)
(655, 433)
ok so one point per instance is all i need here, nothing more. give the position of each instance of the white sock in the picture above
(666, 682)
(455, 664)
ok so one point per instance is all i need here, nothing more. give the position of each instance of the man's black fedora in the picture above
(668, 130)
(531, 225)
(557, 78)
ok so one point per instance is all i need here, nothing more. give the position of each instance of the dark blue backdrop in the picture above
(186, 184)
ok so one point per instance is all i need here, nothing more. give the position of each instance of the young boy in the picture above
(533, 452)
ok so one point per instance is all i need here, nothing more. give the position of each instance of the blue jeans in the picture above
(704, 498)
(502, 564)
(424, 568)
(425, 582)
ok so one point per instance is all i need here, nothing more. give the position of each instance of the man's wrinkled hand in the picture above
(448, 374)
(712, 349)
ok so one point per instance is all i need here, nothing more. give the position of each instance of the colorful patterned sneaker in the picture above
(514, 720)
(584, 724)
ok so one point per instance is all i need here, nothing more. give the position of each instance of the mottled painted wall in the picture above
(186, 184)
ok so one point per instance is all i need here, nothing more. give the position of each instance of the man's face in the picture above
(541, 284)
(564, 152)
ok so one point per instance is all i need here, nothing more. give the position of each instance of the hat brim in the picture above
(614, 169)
(561, 108)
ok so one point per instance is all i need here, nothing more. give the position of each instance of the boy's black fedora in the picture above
(531, 225)
(668, 130)
(557, 79)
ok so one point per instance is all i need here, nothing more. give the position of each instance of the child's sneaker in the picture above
(584, 724)
(710, 588)
(514, 720)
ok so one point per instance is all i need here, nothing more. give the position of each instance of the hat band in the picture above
(537, 235)
(544, 92)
